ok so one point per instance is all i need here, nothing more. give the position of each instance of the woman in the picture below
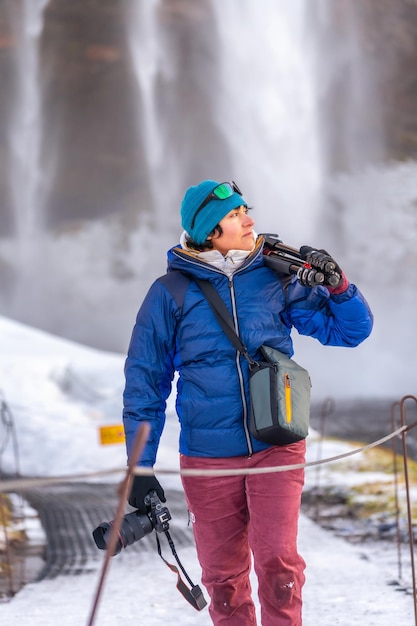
(233, 517)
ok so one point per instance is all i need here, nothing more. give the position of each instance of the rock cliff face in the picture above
(389, 37)
(89, 111)
(391, 26)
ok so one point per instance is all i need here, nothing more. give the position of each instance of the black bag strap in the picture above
(223, 316)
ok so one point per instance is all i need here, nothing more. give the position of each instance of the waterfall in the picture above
(144, 43)
(265, 105)
(26, 128)
(262, 104)
(27, 179)
(22, 249)
(152, 67)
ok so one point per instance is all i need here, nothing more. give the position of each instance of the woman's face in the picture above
(237, 232)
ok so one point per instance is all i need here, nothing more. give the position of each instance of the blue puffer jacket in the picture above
(213, 385)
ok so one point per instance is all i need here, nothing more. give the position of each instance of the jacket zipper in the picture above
(238, 366)
(240, 373)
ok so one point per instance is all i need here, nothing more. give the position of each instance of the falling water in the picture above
(266, 109)
(26, 128)
(144, 43)
(27, 166)
(151, 67)
(257, 85)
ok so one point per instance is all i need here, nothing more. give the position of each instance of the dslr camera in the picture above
(135, 525)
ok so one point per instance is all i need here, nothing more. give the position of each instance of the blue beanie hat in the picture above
(211, 214)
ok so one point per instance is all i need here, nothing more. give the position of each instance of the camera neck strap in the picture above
(194, 595)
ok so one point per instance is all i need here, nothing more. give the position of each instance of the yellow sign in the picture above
(112, 434)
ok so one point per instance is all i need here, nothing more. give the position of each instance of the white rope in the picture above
(21, 484)
(279, 468)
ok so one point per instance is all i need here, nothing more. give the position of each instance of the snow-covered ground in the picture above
(345, 586)
(60, 393)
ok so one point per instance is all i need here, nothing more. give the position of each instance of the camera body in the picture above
(134, 525)
(158, 514)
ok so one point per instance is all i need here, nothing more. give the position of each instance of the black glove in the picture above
(323, 267)
(141, 486)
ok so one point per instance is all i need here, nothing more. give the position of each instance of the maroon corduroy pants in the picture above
(237, 516)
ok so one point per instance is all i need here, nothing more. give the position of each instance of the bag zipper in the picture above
(288, 404)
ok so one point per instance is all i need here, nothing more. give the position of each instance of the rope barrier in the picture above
(286, 468)
(21, 484)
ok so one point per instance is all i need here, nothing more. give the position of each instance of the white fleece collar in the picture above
(227, 264)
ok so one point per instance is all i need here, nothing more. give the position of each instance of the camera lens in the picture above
(134, 526)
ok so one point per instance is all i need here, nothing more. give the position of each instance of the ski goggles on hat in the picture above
(221, 192)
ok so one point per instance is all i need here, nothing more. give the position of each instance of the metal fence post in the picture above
(407, 486)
